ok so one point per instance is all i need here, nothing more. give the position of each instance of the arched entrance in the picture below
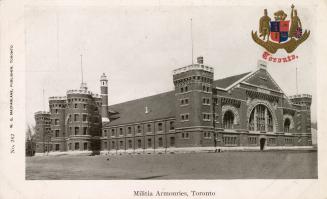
(262, 143)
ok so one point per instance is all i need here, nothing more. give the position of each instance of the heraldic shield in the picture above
(279, 31)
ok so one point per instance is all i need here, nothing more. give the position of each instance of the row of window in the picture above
(184, 89)
(78, 100)
(185, 117)
(149, 143)
(184, 101)
(288, 141)
(77, 130)
(206, 135)
(206, 101)
(77, 146)
(138, 129)
(203, 79)
(185, 135)
(230, 140)
(272, 141)
(253, 140)
(206, 116)
(205, 88)
(42, 118)
(58, 105)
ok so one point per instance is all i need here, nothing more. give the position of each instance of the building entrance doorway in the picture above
(262, 143)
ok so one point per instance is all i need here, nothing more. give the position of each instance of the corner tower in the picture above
(303, 117)
(42, 131)
(193, 93)
(104, 97)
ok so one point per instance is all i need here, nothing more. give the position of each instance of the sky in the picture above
(138, 47)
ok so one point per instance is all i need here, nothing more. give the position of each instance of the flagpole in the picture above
(297, 91)
(192, 40)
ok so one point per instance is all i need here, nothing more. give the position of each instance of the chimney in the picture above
(200, 60)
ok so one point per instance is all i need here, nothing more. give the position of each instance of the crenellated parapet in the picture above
(41, 113)
(79, 91)
(193, 67)
(59, 98)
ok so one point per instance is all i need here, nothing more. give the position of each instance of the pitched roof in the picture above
(159, 106)
(225, 82)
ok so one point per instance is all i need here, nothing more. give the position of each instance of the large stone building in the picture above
(245, 110)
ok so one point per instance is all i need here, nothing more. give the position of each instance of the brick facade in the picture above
(246, 110)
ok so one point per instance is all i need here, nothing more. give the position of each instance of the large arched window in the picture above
(260, 119)
(228, 120)
(287, 124)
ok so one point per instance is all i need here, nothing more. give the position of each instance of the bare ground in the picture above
(226, 165)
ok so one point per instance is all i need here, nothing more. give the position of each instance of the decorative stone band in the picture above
(193, 67)
(300, 96)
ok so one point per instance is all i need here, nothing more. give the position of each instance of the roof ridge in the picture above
(142, 98)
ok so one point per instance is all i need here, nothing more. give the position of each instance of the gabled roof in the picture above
(159, 106)
(226, 82)
(163, 105)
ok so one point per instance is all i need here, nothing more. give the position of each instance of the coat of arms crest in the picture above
(281, 33)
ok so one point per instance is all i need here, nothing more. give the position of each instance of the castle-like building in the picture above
(245, 110)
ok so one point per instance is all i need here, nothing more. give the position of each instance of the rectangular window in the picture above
(149, 143)
(186, 101)
(57, 133)
(129, 129)
(56, 111)
(84, 106)
(171, 125)
(76, 117)
(120, 131)
(139, 130)
(84, 117)
(75, 105)
(129, 144)
(76, 130)
(112, 132)
(85, 146)
(149, 128)
(206, 117)
(56, 121)
(76, 146)
(252, 140)
(113, 145)
(121, 144)
(272, 141)
(184, 117)
(207, 135)
(84, 130)
(105, 145)
(172, 141)
(57, 147)
(160, 142)
(160, 127)
(139, 143)
(230, 140)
